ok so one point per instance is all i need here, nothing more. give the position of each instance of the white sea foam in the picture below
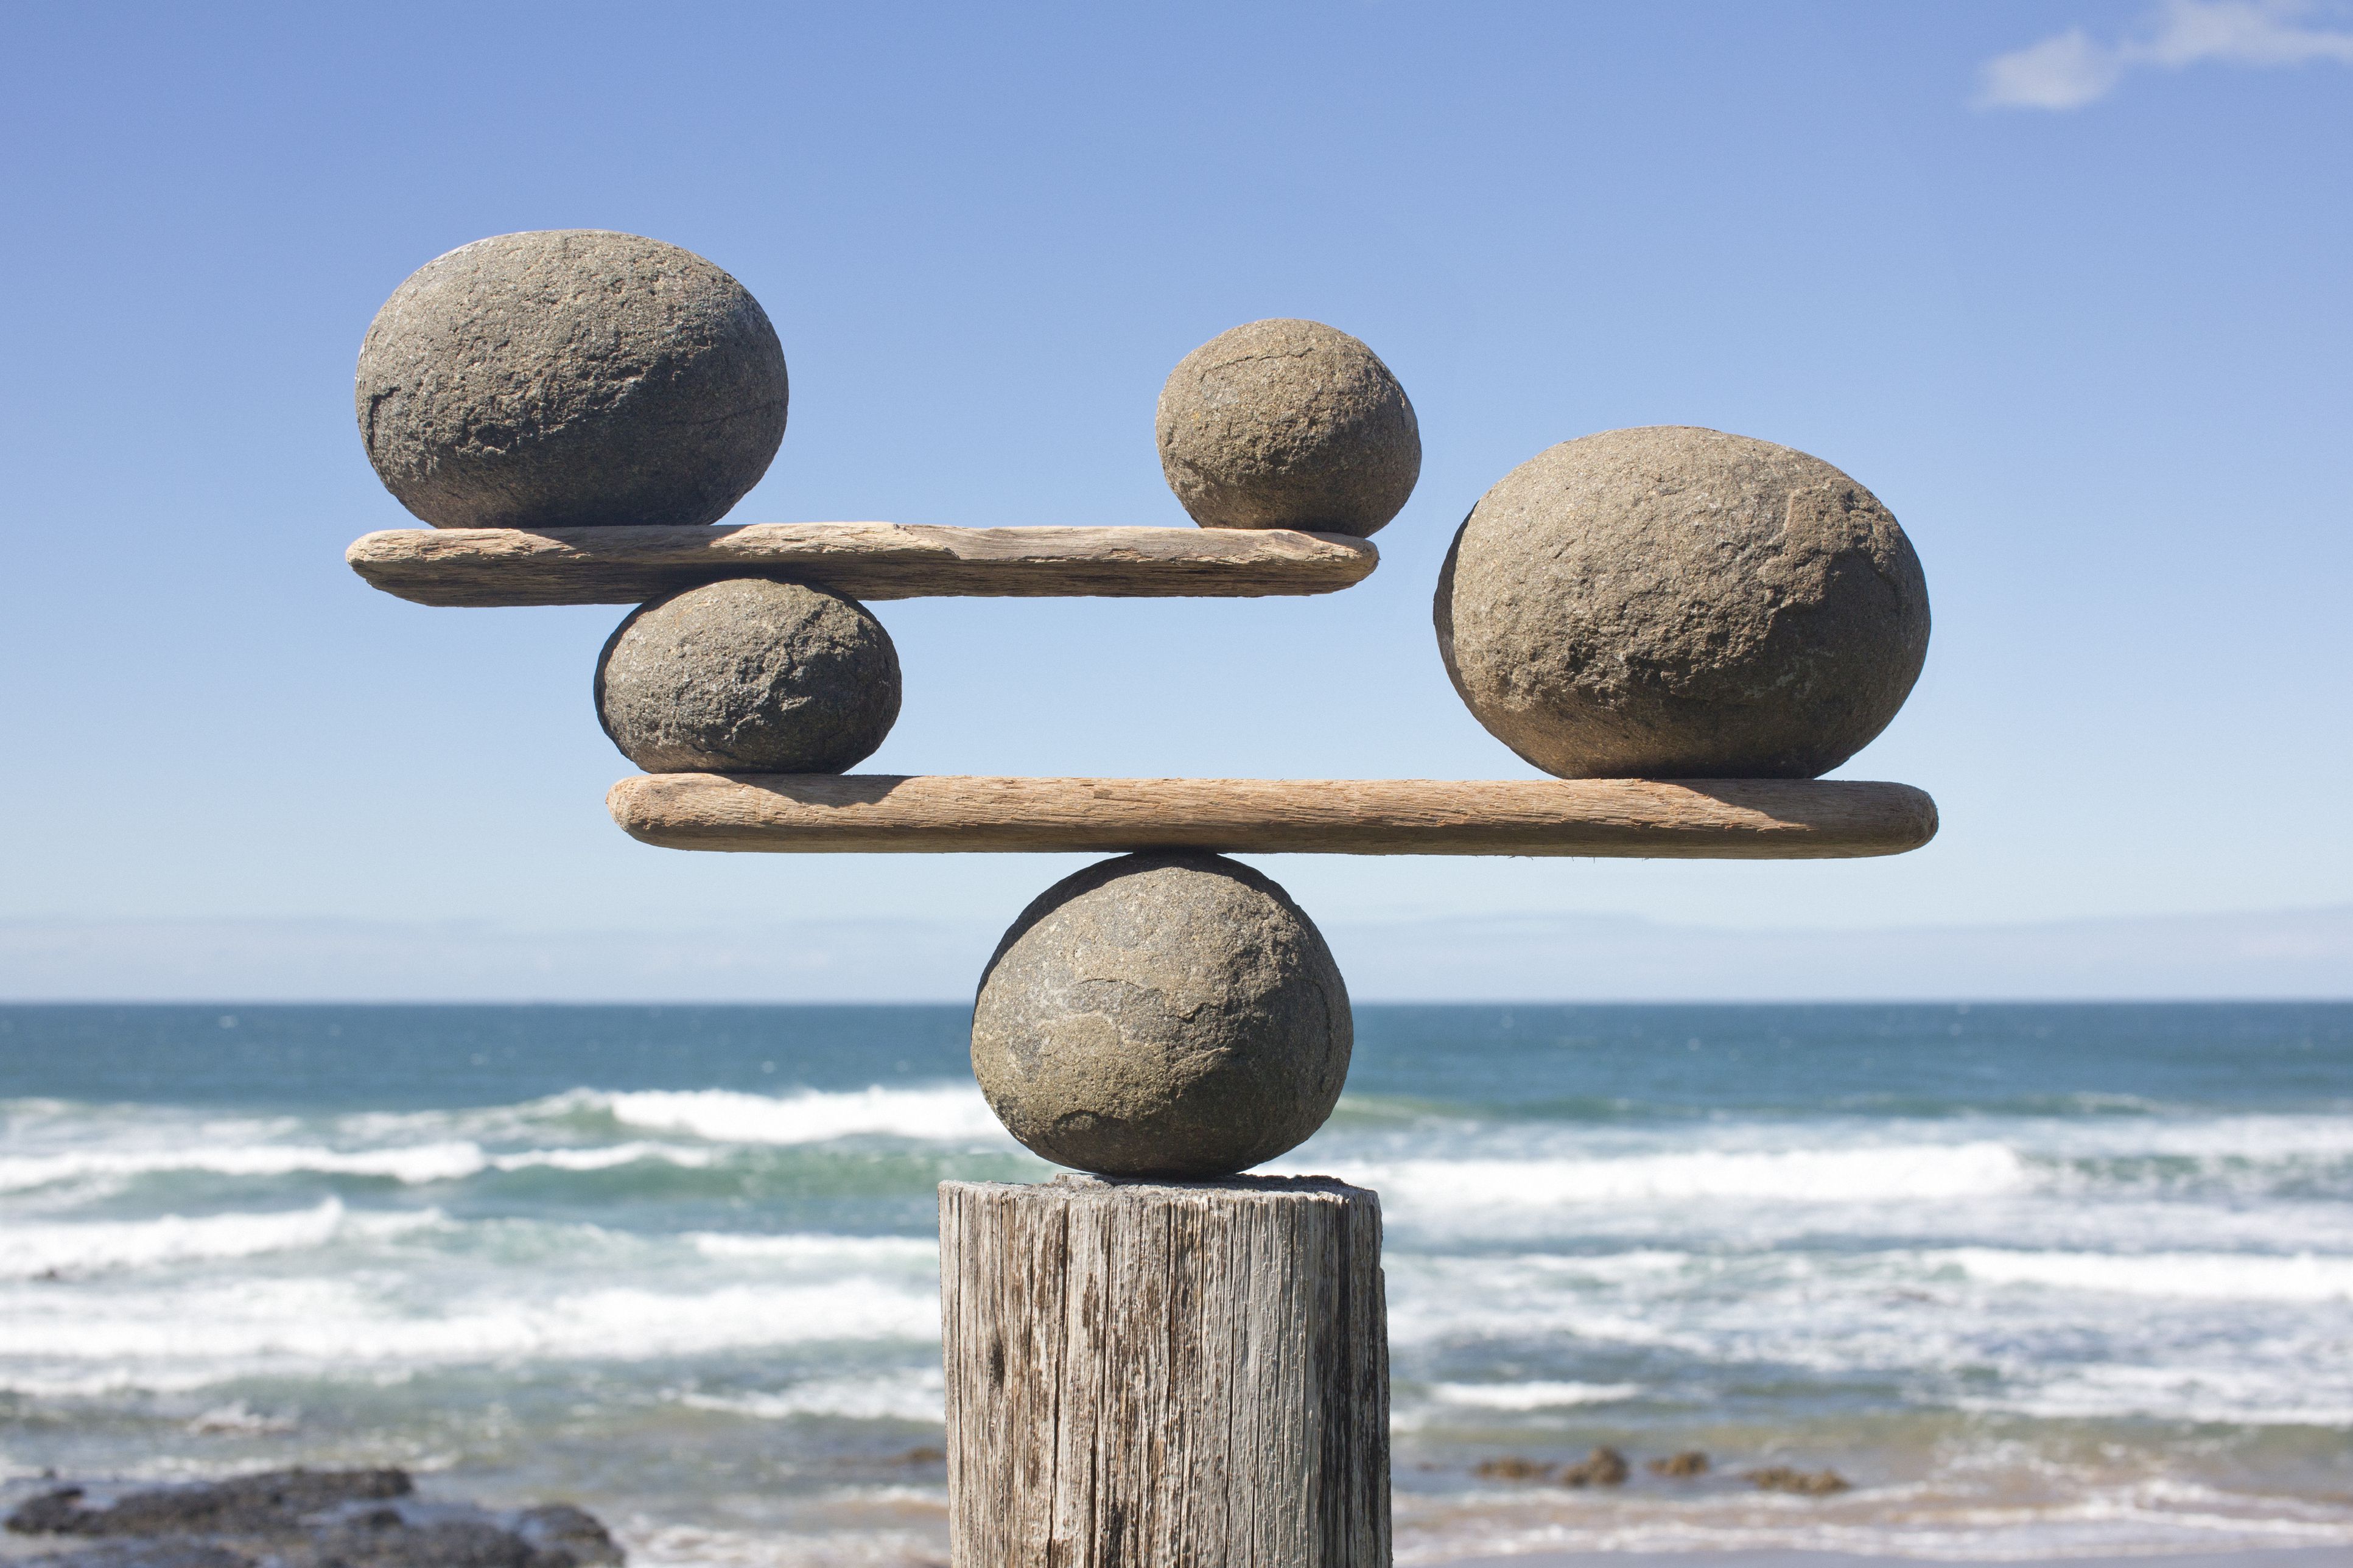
(67, 1341)
(1929, 1523)
(920, 1394)
(414, 1164)
(31, 1251)
(2201, 1276)
(1532, 1395)
(944, 1113)
(1883, 1174)
(604, 1158)
(817, 1248)
(891, 1545)
(2301, 1387)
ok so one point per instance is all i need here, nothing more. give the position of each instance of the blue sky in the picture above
(2065, 284)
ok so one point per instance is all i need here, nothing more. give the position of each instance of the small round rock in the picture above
(1162, 1014)
(747, 675)
(570, 377)
(1678, 603)
(1288, 424)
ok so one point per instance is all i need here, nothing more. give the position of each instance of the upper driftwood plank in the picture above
(1724, 819)
(627, 565)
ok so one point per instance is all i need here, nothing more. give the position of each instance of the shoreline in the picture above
(1747, 1557)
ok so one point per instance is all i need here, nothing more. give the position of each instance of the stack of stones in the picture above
(1662, 603)
(577, 378)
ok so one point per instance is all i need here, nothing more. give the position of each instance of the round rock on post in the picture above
(1678, 603)
(570, 377)
(1162, 1014)
(1288, 424)
(748, 676)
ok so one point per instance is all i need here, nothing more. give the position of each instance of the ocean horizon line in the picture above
(2293, 955)
(817, 1003)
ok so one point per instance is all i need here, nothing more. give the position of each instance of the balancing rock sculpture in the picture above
(1677, 602)
(1163, 1361)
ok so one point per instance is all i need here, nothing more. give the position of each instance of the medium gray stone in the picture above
(748, 676)
(1678, 603)
(570, 377)
(1166, 1015)
(1288, 424)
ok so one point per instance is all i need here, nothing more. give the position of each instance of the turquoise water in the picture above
(2037, 1279)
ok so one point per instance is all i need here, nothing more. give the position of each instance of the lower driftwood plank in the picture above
(1734, 819)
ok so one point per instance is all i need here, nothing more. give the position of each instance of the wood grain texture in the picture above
(494, 567)
(1165, 1375)
(1733, 819)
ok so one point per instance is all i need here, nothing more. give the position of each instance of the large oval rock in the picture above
(748, 676)
(1170, 1014)
(1288, 424)
(1678, 603)
(570, 377)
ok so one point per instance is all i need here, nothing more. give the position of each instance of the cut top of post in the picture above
(628, 566)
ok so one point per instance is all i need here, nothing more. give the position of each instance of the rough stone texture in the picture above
(1678, 603)
(307, 1519)
(570, 377)
(1162, 1014)
(1288, 424)
(748, 676)
(1165, 1375)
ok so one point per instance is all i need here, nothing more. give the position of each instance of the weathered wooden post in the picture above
(1149, 1373)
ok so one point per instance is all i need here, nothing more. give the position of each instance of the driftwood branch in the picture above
(1731, 819)
(495, 566)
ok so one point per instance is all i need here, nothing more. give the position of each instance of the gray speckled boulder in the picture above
(1678, 603)
(1288, 424)
(1166, 1015)
(570, 377)
(748, 676)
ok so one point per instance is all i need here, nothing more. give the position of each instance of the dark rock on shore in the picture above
(1805, 1483)
(1602, 1467)
(273, 1502)
(1690, 1462)
(1511, 1467)
(307, 1519)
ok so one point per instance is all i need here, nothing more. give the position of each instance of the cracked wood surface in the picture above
(1176, 1374)
(628, 566)
(1733, 819)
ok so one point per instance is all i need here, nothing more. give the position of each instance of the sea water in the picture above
(2037, 1281)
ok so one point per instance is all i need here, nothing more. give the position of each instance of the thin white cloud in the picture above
(2072, 68)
